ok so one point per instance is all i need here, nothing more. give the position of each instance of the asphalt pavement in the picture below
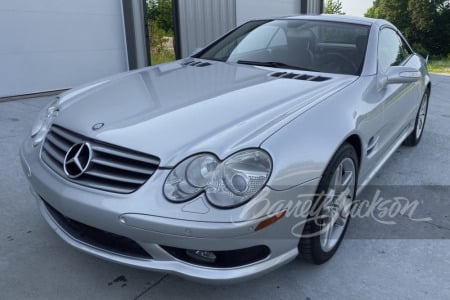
(411, 263)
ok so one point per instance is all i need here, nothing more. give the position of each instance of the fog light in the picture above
(203, 256)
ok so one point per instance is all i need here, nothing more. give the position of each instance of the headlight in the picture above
(44, 121)
(227, 184)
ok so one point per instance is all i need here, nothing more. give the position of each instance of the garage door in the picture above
(50, 45)
(256, 9)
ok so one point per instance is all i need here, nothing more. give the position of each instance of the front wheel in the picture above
(414, 138)
(330, 215)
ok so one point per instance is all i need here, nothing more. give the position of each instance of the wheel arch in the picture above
(356, 142)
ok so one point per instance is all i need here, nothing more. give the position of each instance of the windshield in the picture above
(322, 46)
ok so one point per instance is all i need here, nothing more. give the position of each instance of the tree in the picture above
(161, 26)
(425, 23)
(160, 13)
(333, 7)
(374, 11)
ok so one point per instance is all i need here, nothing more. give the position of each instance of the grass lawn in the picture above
(162, 57)
(439, 65)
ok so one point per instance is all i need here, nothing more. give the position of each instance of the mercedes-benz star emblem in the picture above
(77, 160)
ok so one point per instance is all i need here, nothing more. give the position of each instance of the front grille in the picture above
(112, 168)
(97, 238)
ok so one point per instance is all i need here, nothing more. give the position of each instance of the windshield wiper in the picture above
(271, 64)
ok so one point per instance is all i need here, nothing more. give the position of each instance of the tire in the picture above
(414, 138)
(314, 246)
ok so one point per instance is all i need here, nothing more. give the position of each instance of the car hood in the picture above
(175, 110)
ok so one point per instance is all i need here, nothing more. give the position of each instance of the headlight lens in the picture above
(44, 121)
(226, 184)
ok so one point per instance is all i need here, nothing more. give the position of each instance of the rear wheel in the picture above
(414, 138)
(330, 215)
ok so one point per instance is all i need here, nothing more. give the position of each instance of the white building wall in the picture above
(255, 9)
(203, 21)
(49, 45)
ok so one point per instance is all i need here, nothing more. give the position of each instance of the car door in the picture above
(399, 99)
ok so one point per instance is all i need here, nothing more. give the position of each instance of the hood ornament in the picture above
(98, 126)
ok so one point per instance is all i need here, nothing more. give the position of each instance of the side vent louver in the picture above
(194, 63)
(297, 76)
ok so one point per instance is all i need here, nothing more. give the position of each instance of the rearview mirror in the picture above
(400, 74)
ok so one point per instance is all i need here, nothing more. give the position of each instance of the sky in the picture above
(356, 7)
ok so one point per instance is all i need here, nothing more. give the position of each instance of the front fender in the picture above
(301, 150)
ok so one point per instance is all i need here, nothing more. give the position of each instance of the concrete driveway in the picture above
(36, 264)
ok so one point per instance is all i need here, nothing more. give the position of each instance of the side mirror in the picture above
(400, 74)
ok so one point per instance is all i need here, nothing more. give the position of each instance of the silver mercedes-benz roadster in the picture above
(229, 163)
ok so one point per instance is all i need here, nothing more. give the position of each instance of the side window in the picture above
(406, 50)
(392, 51)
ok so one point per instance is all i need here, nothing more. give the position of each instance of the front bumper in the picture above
(127, 216)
